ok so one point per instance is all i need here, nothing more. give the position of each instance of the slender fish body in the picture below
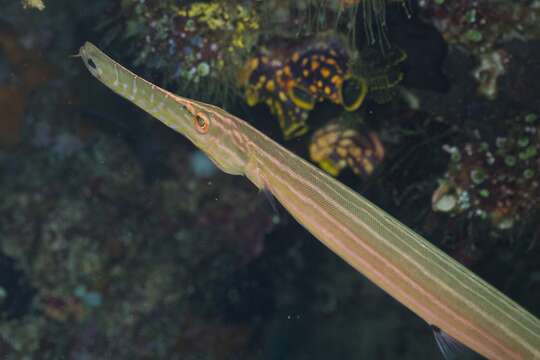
(426, 280)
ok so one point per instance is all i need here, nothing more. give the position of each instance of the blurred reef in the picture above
(118, 239)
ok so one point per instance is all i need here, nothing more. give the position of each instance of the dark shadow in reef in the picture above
(426, 51)
(18, 292)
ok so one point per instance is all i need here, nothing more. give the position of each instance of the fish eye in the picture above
(202, 123)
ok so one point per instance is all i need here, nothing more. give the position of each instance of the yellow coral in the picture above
(34, 4)
(217, 18)
(335, 147)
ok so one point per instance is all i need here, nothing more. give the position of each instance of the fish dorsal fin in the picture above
(451, 349)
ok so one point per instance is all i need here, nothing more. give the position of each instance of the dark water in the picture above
(119, 240)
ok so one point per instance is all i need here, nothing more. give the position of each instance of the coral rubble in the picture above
(495, 178)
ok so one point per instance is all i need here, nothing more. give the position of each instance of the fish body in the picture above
(444, 293)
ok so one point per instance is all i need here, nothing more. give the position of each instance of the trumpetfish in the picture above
(444, 293)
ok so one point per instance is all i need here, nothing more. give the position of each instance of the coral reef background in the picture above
(119, 240)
